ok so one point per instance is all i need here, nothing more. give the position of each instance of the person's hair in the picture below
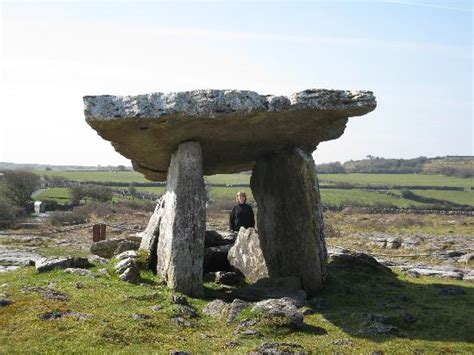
(240, 193)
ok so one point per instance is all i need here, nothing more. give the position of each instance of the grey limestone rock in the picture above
(126, 245)
(246, 255)
(148, 128)
(214, 308)
(180, 249)
(50, 263)
(290, 219)
(78, 271)
(130, 274)
(105, 248)
(354, 259)
(126, 255)
(283, 309)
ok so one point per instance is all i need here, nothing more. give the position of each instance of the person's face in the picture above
(241, 199)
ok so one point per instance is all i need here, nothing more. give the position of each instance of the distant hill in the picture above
(15, 166)
(460, 166)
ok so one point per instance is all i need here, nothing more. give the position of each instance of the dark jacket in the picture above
(241, 216)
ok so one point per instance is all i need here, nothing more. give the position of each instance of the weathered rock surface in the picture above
(50, 263)
(290, 218)
(283, 309)
(126, 245)
(246, 255)
(152, 232)
(214, 308)
(354, 259)
(105, 248)
(180, 247)
(148, 128)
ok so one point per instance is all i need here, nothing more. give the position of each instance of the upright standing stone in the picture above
(290, 220)
(182, 227)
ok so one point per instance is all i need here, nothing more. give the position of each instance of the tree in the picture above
(17, 186)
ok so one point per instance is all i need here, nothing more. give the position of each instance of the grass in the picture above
(459, 197)
(354, 197)
(398, 179)
(444, 323)
(60, 194)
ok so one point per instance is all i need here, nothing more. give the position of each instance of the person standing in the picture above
(242, 213)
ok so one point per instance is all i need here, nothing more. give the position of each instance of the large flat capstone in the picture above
(234, 127)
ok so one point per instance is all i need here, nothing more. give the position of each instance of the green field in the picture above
(330, 196)
(397, 179)
(459, 197)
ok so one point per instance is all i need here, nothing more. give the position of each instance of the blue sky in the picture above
(415, 55)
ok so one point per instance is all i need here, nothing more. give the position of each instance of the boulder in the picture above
(290, 217)
(148, 128)
(126, 255)
(283, 310)
(354, 259)
(126, 245)
(150, 236)
(214, 308)
(50, 263)
(247, 256)
(105, 248)
(180, 247)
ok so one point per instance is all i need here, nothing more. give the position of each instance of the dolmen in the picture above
(181, 136)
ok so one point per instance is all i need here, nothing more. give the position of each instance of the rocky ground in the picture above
(391, 300)
(441, 246)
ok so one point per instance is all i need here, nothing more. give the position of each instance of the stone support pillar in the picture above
(178, 225)
(290, 220)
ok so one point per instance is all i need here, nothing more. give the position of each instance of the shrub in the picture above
(17, 187)
(9, 215)
(59, 218)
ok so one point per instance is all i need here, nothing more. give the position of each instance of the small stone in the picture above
(103, 271)
(98, 260)
(78, 316)
(140, 316)
(51, 315)
(214, 308)
(231, 344)
(186, 311)
(4, 302)
(181, 321)
(81, 272)
(178, 299)
(178, 352)
(156, 308)
(343, 342)
(235, 308)
(126, 255)
(130, 275)
(48, 293)
(79, 285)
(248, 332)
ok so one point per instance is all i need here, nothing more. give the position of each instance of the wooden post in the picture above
(99, 232)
